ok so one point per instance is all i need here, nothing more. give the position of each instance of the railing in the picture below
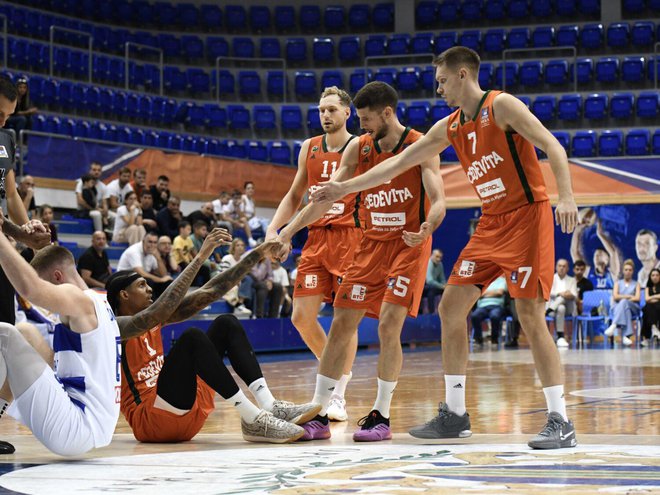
(74, 31)
(279, 61)
(572, 49)
(408, 56)
(4, 39)
(127, 49)
(656, 50)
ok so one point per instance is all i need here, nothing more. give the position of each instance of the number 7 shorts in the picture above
(519, 244)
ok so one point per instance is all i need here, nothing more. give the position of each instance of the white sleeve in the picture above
(79, 186)
(150, 263)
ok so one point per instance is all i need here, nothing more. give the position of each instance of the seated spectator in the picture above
(600, 275)
(490, 306)
(265, 288)
(242, 292)
(626, 297)
(562, 299)
(26, 192)
(22, 117)
(139, 182)
(93, 264)
(141, 258)
(293, 274)
(184, 252)
(117, 190)
(164, 247)
(88, 195)
(200, 231)
(204, 214)
(99, 213)
(220, 210)
(148, 213)
(435, 279)
(169, 217)
(250, 210)
(46, 216)
(128, 222)
(160, 192)
(281, 277)
(651, 317)
(236, 214)
(582, 282)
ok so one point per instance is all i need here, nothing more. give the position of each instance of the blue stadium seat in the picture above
(650, 67)
(170, 44)
(196, 116)
(569, 107)
(359, 78)
(449, 11)
(249, 83)
(375, 45)
(332, 78)
(269, 47)
(647, 104)
(305, 83)
(637, 142)
(285, 18)
(216, 46)
(192, 47)
(225, 82)
(543, 37)
(211, 17)
(323, 50)
(518, 9)
(439, 111)
(334, 17)
(275, 83)
(531, 73)
(213, 147)
(494, 40)
(310, 18)
(235, 18)
(589, 7)
(428, 79)
(511, 74)
(385, 75)
(81, 129)
(607, 70)
(595, 106)
(235, 149)
(259, 18)
(164, 139)
(618, 34)
(408, 79)
(471, 10)
(544, 108)
(567, 36)
(35, 87)
(136, 136)
(426, 13)
(632, 69)
(291, 117)
(397, 44)
(642, 34)
(279, 152)
(166, 14)
(296, 50)
(243, 47)
(264, 117)
(187, 15)
(445, 40)
(585, 70)
(449, 155)
(518, 38)
(567, 8)
(564, 139)
(359, 17)
(215, 116)
(174, 79)
(610, 143)
(655, 145)
(348, 49)
(296, 150)
(418, 113)
(401, 111)
(256, 150)
(382, 16)
(486, 70)
(591, 36)
(238, 117)
(584, 143)
(471, 39)
(634, 6)
(556, 72)
(621, 105)
(494, 10)
(314, 119)
(542, 8)
(422, 43)
(198, 81)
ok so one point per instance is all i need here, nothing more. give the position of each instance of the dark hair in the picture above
(579, 263)
(457, 57)
(8, 89)
(654, 270)
(198, 224)
(117, 282)
(95, 162)
(183, 224)
(647, 232)
(139, 171)
(164, 177)
(146, 192)
(247, 183)
(376, 95)
(87, 177)
(129, 194)
(50, 256)
(44, 207)
(123, 170)
(236, 192)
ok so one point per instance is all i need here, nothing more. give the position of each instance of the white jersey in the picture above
(88, 366)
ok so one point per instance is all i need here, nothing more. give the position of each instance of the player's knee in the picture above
(192, 336)
(224, 327)
(8, 332)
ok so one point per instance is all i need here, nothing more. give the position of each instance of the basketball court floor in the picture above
(613, 398)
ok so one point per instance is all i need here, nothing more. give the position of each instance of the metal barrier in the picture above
(572, 49)
(127, 48)
(4, 39)
(656, 50)
(280, 61)
(74, 31)
(408, 56)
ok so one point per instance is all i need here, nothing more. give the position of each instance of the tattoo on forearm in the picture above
(12, 230)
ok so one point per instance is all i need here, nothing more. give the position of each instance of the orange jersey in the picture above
(321, 164)
(501, 165)
(399, 204)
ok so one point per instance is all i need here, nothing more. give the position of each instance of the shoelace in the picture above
(550, 427)
(369, 421)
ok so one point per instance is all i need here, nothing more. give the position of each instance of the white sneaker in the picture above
(626, 341)
(242, 310)
(610, 330)
(252, 242)
(655, 333)
(337, 409)
(644, 343)
(561, 342)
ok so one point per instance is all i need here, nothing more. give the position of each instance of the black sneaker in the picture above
(556, 434)
(6, 448)
(513, 344)
(445, 425)
(373, 428)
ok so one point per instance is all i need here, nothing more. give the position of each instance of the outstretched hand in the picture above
(217, 237)
(566, 215)
(328, 191)
(413, 239)
(270, 249)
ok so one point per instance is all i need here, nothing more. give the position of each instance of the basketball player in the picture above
(386, 278)
(332, 238)
(167, 399)
(494, 135)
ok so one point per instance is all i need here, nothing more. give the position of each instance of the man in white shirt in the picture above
(562, 299)
(117, 189)
(101, 216)
(142, 258)
(280, 276)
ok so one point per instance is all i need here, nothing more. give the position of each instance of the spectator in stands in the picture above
(646, 246)
(142, 259)
(88, 196)
(250, 210)
(651, 317)
(293, 274)
(490, 306)
(239, 294)
(160, 192)
(169, 217)
(626, 296)
(281, 277)
(184, 252)
(204, 214)
(199, 233)
(148, 212)
(26, 192)
(164, 247)
(119, 188)
(128, 222)
(100, 214)
(22, 117)
(46, 216)
(236, 214)
(265, 288)
(139, 182)
(563, 294)
(220, 210)
(583, 283)
(435, 278)
(93, 264)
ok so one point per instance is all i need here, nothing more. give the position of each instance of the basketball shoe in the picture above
(337, 409)
(445, 425)
(267, 428)
(296, 414)
(316, 429)
(556, 434)
(373, 428)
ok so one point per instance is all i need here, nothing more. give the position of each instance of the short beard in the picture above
(335, 127)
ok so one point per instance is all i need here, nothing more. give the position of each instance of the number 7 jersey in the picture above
(321, 164)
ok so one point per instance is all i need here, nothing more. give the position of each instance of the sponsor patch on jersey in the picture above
(358, 293)
(315, 148)
(490, 188)
(3, 152)
(454, 126)
(337, 209)
(388, 219)
(390, 284)
(514, 277)
(311, 281)
(366, 149)
(484, 117)
(466, 269)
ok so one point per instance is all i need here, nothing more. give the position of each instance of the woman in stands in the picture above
(128, 223)
(651, 319)
(626, 304)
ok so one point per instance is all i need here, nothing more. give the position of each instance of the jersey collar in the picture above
(474, 117)
(324, 145)
(398, 145)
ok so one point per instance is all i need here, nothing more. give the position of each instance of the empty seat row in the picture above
(572, 107)
(635, 8)
(231, 18)
(636, 142)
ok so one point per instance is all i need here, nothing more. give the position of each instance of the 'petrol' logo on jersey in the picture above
(337, 209)
(388, 219)
(466, 269)
(386, 198)
(311, 281)
(479, 168)
(358, 293)
(489, 188)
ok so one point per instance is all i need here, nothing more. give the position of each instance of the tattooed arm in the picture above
(161, 310)
(36, 240)
(215, 288)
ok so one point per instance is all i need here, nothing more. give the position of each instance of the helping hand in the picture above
(413, 239)
(328, 191)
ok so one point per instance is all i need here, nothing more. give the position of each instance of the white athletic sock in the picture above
(261, 392)
(245, 408)
(455, 393)
(340, 389)
(3, 407)
(325, 387)
(384, 397)
(554, 397)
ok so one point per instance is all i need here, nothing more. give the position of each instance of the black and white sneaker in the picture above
(445, 425)
(556, 434)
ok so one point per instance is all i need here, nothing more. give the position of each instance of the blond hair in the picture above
(343, 96)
